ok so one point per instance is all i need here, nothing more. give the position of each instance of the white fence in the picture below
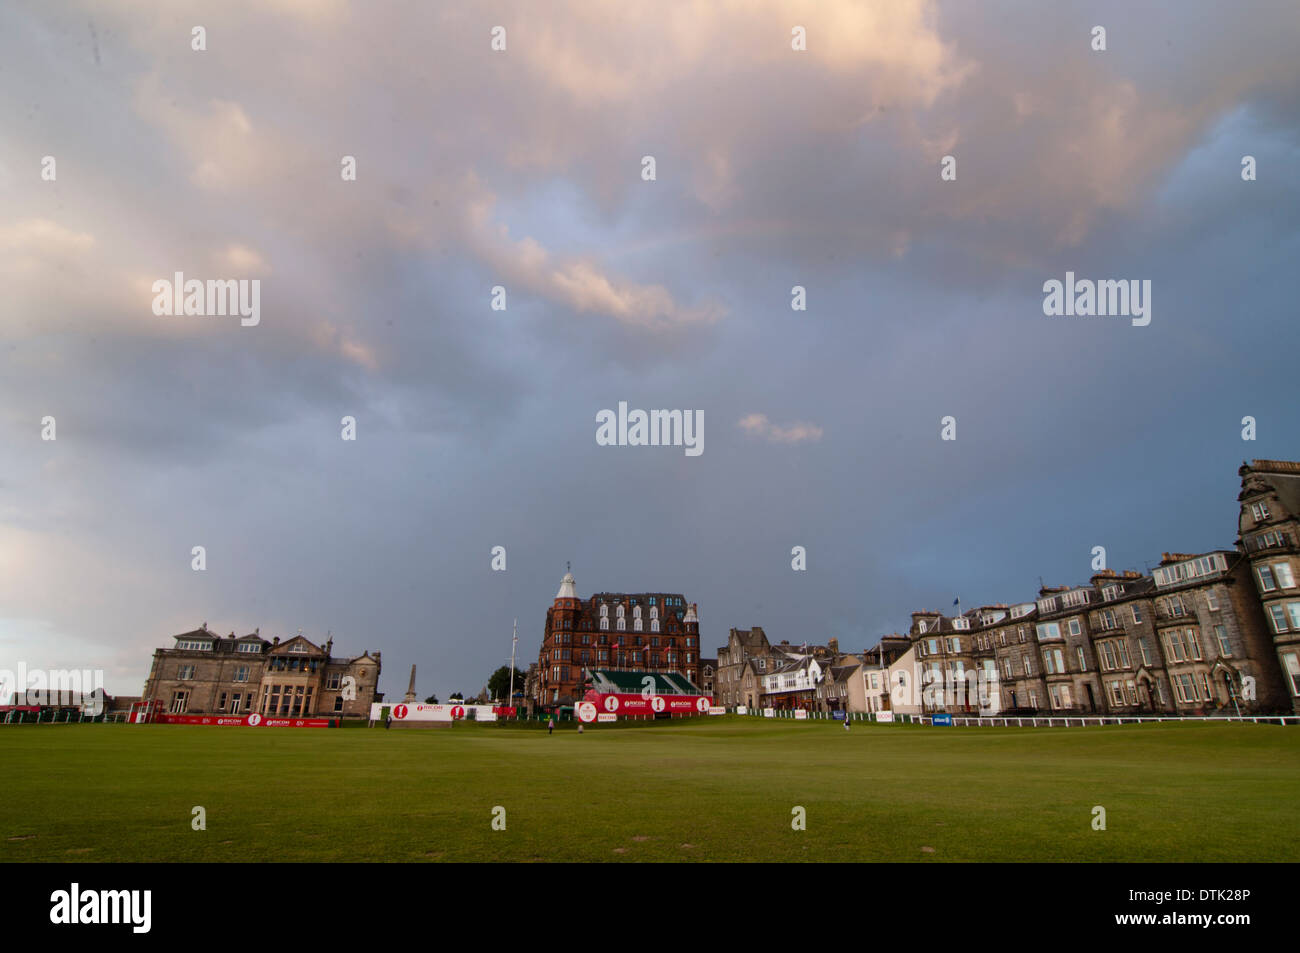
(1058, 721)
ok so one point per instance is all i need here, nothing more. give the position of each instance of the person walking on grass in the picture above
(846, 721)
(550, 725)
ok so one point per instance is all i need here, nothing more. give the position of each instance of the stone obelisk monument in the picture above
(410, 689)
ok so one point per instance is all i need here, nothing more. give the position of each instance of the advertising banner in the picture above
(800, 715)
(718, 710)
(769, 712)
(418, 712)
(884, 716)
(606, 716)
(941, 719)
(253, 720)
(654, 705)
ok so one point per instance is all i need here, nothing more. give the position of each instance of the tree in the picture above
(432, 700)
(498, 685)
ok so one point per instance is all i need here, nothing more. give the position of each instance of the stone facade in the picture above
(207, 674)
(1269, 535)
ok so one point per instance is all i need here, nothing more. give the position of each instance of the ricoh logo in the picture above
(1105, 298)
(655, 428)
(102, 907)
(242, 296)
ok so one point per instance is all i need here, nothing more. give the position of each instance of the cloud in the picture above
(757, 425)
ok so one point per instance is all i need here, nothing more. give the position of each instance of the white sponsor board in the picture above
(403, 711)
(606, 716)
(718, 710)
(769, 712)
(742, 710)
(587, 712)
(884, 716)
(800, 715)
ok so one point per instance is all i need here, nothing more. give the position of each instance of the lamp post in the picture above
(1227, 677)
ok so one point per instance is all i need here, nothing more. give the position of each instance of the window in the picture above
(1075, 628)
(185, 673)
(1259, 511)
(920, 627)
(1022, 634)
(252, 648)
(1175, 607)
(1076, 598)
(622, 623)
(1291, 661)
(1278, 615)
(1212, 601)
(1112, 592)
(960, 623)
(1002, 637)
(1083, 665)
(934, 647)
(1108, 619)
(1282, 572)
(1266, 582)
(1221, 633)
(1116, 693)
(1193, 644)
(1028, 662)
(241, 674)
(194, 645)
(1106, 653)
(1053, 662)
(221, 702)
(1049, 630)
(1137, 614)
(236, 702)
(1184, 687)
(1006, 668)
(180, 701)
(1177, 651)
(604, 624)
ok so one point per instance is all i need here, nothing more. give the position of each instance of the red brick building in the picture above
(634, 632)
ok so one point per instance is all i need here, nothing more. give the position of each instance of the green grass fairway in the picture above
(718, 789)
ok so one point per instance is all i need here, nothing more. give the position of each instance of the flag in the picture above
(956, 602)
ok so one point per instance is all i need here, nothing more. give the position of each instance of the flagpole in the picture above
(513, 642)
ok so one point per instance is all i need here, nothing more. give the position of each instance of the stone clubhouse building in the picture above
(207, 674)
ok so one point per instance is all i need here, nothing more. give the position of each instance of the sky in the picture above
(522, 168)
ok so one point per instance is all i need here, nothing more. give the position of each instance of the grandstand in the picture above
(605, 681)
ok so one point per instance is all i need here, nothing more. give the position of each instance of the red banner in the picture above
(654, 704)
(253, 720)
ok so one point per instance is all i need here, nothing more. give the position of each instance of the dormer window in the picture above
(1259, 511)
